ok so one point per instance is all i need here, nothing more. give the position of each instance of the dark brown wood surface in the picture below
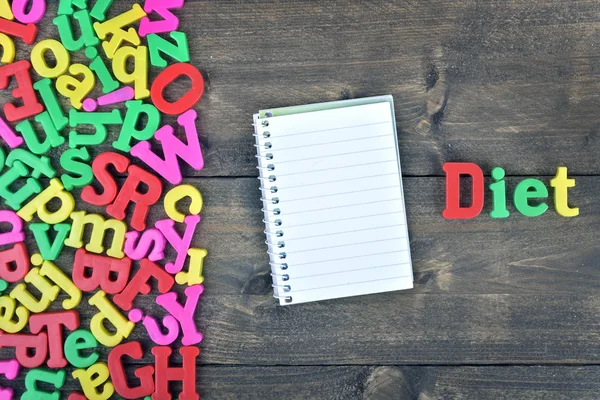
(502, 309)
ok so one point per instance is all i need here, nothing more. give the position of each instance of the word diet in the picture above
(525, 191)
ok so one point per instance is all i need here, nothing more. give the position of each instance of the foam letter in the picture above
(561, 183)
(107, 311)
(139, 284)
(173, 148)
(117, 372)
(453, 208)
(185, 314)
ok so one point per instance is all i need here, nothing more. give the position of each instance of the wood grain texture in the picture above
(510, 84)
(391, 382)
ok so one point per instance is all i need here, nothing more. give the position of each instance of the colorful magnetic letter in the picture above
(185, 314)
(46, 89)
(530, 189)
(149, 238)
(100, 226)
(24, 91)
(55, 378)
(65, 30)
(98, 120)
(92, 378)
(57, 276)
(27, 33)
(168, 76)
(178, 193)
(9, 136)
(169, 23)
(130, 194)
(38, 205)
(117, 372)
(108, 312)
(139, 75)
(194, 274)
(37, 9)
(453, 173)
(72, 88)
(180, 52)
(54, 323)
(44, 286)
(115, 27)
(91, 271)
(52, 139)
(165, 374)
(8, 309)
(82, 171)
(38, 60)
(139, 284)
(135, 109)
(561, 183)
(24, 344)
(97, 65)
(14, 263)
(8, 49)
(173, 148)
(109, 185)
(154, 331)
(16, 233)
(81, 340)
(180, 244)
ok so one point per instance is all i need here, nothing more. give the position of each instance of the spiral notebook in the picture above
(333, 201)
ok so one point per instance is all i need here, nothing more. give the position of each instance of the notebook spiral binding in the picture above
(273, 218)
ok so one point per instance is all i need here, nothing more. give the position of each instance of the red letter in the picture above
(101, 267)
(24, 91)
(129, 193)
(18, 257)
(27, 33)
(23, 344)
(55, 321)
(89, 195)
(139, 284)
(117, 372)
(168, 76)
(453, 173)
(185, 374)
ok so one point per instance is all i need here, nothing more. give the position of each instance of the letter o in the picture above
(168, 76)
(63, 59)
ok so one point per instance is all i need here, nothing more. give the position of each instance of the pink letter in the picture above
(16, 234)
(149, 237)
(172, 148)
(153, 329)
(169, 23)
(9, 136)
(181, 245)
(185, 314)
(35, 14)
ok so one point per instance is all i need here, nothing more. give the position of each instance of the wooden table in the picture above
(502, 309)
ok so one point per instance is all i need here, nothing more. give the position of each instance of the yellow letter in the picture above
(48, 290)
(38, 204)
(561, 200)
(8, 48)
(194, 274)
(92, 378)
(99, 228)
(74, 89)
(63, 59)
(115, 27)
(8, 308)
(57, 276)
(108, 312)
(178, 193)
(6, 11)
(140, 69)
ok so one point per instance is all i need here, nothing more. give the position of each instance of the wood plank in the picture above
(515, 91)
(379, 383)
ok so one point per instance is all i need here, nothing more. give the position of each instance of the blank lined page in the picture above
(333, 202)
